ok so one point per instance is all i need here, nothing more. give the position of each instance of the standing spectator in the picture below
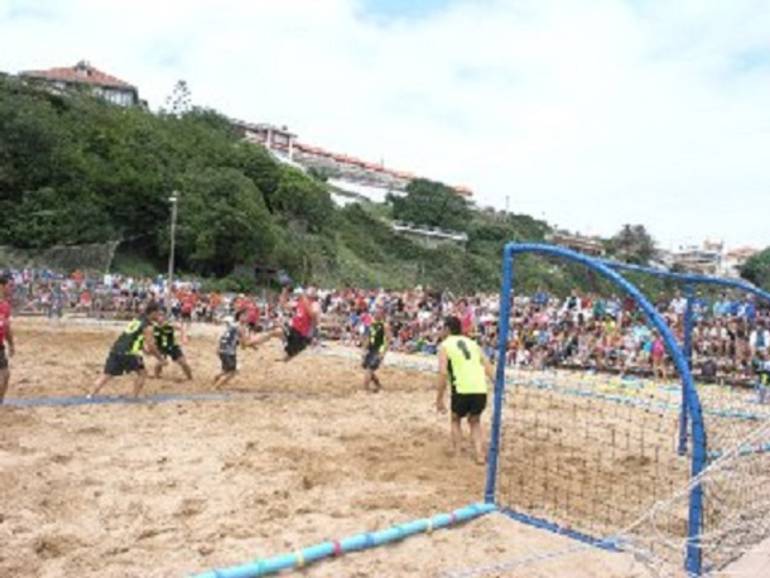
(6, 334)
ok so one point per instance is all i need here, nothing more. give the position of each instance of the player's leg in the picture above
(376, 380)
(368, 373)
(182, 362)
(276, 333)
(178, 357)
(186, 325)
(477, 436)
(112, 368)
(141, 375)
(226, 378)
(229, 369)
(296, 343)
(158, 370)
(100, 382)
(457, 433)
(375, 365)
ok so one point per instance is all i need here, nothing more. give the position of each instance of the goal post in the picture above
(692, 405)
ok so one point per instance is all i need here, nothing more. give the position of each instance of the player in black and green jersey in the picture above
(126, 353)
(165, 341)
(378, 339)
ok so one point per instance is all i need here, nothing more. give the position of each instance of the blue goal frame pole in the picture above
(506, 296)
(693, 557)
(689, 323)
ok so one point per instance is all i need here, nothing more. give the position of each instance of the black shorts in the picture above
(3, 358)
(120, 363)
(372, 360)
(229, 362)
(174, 352)
(471, 404)
(186, 315)
(295, 342)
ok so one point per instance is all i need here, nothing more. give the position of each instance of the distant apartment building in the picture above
(734, 259)
(705, 259)
(272, 137)
(709, 258)
(591, 245)
(351, 178)
(85, 76)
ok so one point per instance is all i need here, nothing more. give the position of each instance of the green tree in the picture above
(179, 102)
(432, 204)
(303, 200)
(223, 221)
(632, 244)
(757, 269)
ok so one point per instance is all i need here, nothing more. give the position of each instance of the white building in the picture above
(735, 259)
(352, 177)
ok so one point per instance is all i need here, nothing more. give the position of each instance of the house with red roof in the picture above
(85, 76)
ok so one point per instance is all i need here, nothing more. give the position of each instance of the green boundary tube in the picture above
(351, 544)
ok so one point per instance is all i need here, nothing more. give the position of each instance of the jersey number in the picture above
(464, 349)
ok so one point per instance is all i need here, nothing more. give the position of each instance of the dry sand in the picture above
(157, 490)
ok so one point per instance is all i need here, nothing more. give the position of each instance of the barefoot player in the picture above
(165, 341)
(126, 354)
(462, 362)
(299, 333)
(236, 335)
(379, 338)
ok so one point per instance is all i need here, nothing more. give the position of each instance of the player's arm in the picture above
(315, 313)
(441, 381)
(488, 368)
(363, 340)
(150, 345)
(253, 341)
(244, 339)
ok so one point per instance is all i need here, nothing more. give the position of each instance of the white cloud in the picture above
(594, 113)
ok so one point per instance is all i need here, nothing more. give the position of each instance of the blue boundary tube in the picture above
(506, 295)
(693, 557)
(355, 543)
(67, 401)
(603, 543)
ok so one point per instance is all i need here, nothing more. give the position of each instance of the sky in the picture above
(587, 113)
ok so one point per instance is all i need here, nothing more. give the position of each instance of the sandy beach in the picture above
(298, 455)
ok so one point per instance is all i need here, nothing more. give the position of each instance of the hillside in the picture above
(74, 170)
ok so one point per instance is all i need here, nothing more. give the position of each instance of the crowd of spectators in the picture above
(731, 336)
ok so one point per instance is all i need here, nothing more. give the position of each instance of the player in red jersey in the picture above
(6, 334)
(299, 332)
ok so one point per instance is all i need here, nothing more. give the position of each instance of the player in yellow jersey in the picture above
(462, 363)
